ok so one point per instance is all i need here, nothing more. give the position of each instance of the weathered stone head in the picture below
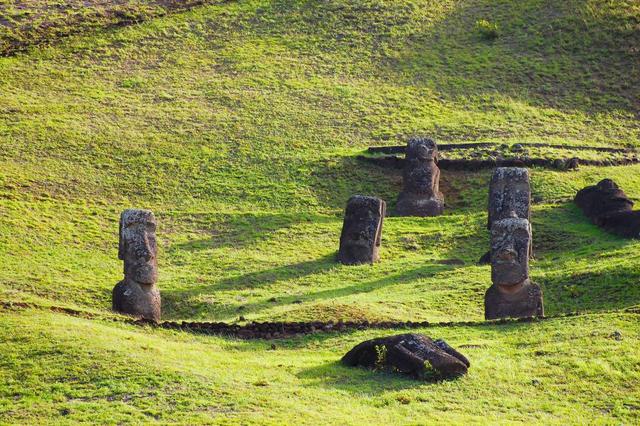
(138, 294)
(510, 245)
(410, 354)
(137, 246)
(421, 194)
(603, 199)
(362, 230)
(509, 192)
(512, 293)
(609, 207)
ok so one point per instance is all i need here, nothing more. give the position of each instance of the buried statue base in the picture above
(133, 298)
(522, 301)
(410, 354)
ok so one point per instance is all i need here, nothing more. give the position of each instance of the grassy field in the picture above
(238, 125)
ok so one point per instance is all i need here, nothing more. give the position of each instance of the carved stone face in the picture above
(423, 149)
(510, 245)
(362, 229)
(509, 193)
(138, 246)
(421, 173)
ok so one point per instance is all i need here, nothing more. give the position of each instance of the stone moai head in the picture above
(510, 246)
(361, 230)
(509, 193)
(420, 176)
(138, 247)
(613, 197)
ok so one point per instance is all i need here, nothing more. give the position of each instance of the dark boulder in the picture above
(413, 354)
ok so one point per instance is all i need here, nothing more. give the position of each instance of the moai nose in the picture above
(507, 254)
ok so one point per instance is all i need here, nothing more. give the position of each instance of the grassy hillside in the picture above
(238, 124)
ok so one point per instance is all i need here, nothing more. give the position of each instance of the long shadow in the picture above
(356, 380)
(242, 229)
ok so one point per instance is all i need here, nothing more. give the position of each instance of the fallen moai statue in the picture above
(609, 208)
(138, 294)
(420, 194)
(412, 354)
(362, 230)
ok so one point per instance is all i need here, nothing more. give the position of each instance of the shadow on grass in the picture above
(242, 229)
(359, 380)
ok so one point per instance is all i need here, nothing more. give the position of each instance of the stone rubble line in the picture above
(395, 162)
(400, 149)
(280, 330)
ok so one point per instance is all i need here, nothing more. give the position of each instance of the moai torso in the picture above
(362, 230)
(137, 294)
(420, 194)
(512, 294)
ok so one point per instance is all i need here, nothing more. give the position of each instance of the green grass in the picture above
(560, 371)
(238, 124)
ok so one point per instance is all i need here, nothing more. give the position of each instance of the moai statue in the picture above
(411, 354)
(509, 194)
(361, 230)
(421, 194)
(609, 207)
(512, 294)
(138, 294)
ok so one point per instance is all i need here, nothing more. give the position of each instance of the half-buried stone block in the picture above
(362, 230)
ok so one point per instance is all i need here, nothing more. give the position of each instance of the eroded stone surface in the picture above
(512, 294)
(362, 230)
(509, 196)
(410, 354)
(420, 194)
(509, 192)
(609, 207)
(137, 294)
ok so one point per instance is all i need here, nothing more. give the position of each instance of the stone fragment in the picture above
(512, 294)
(420, 194)
(137, 294)
(362, 230)
(410, 354)
(609, 208)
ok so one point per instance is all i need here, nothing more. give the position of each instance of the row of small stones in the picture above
(269, 330)
(273, 330)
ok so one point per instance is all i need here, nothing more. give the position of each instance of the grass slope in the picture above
(560, 371)
(238, 125)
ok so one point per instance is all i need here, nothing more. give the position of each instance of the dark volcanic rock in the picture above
(420, 194)
(138, 294)
(512, 293)
(362, 230)
(509, 192)
(609, 207)
(409, 354)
